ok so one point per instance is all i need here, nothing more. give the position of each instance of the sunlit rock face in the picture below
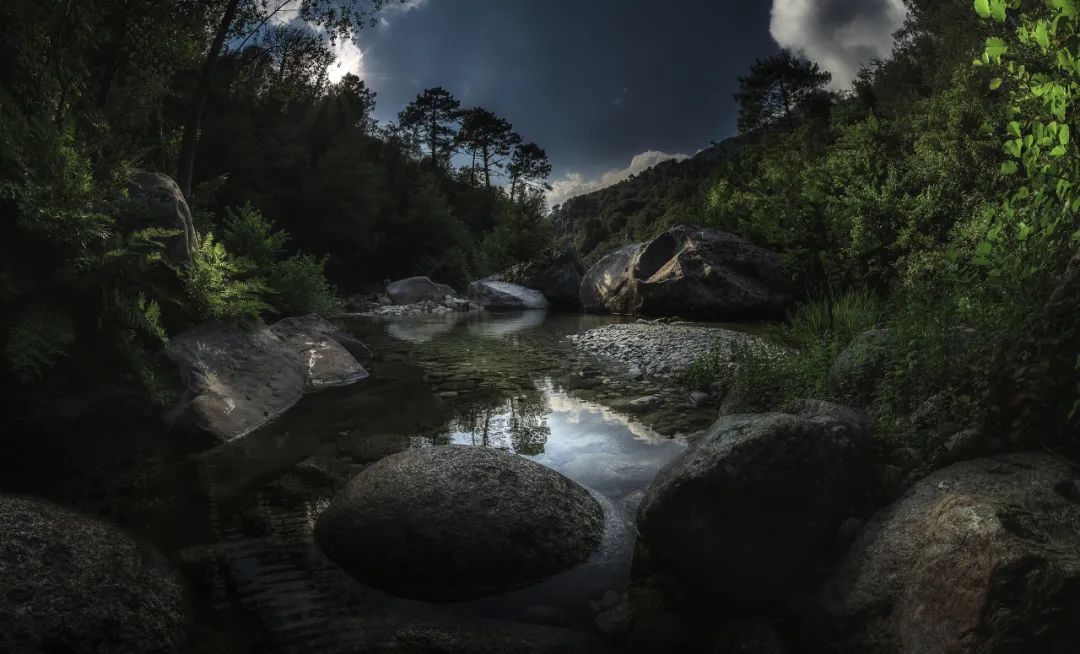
(503, 295)
(982, 556)
(454, 522)
(692, 273)
(239, 379)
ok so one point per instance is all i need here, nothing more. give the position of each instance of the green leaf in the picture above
(1063, 135)
(995, 83)
(1009, 168)
(1059, 151)
(982, 7)
(995, 47)
(1041, 36)
(997, 10)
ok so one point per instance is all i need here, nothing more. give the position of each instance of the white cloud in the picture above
(348, 58)
(840, 35)
(575, 184)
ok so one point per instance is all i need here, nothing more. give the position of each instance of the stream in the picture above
(238, 517)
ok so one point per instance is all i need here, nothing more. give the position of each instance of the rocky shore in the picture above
(659, 349)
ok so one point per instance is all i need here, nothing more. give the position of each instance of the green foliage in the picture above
(37, 341)
(222, 286)
(797, 354)
(247, 234)
(300, 287)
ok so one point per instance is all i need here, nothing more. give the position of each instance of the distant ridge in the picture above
(672, 191)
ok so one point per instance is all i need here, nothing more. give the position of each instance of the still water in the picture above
(238, 518)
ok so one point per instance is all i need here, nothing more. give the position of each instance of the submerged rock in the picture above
(69, 583)
(239, 379)
(689, 272)
(982, 556)
(746, 513)
(503, 295)
(455, 522)
(414, 290)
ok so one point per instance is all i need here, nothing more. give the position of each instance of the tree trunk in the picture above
(487, 167)
(192, 121)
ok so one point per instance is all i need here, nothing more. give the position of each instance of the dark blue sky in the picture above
(593, 81)
(596, 82)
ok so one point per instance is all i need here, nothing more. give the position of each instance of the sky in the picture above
(607, 87)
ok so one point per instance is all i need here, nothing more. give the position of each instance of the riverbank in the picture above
(659, 348)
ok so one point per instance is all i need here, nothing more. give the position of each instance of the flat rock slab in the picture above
(454, 522)
(239, 379)
(504, 295)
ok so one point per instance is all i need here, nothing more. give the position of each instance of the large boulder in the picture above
(555, 274)
(414, 290)
(70, 583)
(982, 556)
(503, 295)
(689, 272)
(454, 522)
(155, 200)
(860, 366)
(753, 507)
(238, 379)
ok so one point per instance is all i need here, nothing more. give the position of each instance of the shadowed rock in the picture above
(555, 274)
(982, 556)
(455, 522)
(414, 290)
(69, 583)
(744, 515)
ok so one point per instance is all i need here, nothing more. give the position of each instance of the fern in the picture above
(37, 341)
(222, 286)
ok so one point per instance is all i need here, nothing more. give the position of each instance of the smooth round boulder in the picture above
(413, 290)
(454, 522)
(69, 583)
(982, 556)
(748, 513)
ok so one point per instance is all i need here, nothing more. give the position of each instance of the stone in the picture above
(748, 512)
(700, 399)
(503, 295)
(492, 638)
(855, 374)
(982, 556)
(414, 290)
(690, 272)
(454, 522)
(155, 200)
(237, 379)
(70, 583)
(556, 274)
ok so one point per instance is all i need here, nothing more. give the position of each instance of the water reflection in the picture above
(589, 443)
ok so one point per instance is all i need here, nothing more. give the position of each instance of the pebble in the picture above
(658, 350)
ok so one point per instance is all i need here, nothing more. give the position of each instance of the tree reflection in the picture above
(517, 423)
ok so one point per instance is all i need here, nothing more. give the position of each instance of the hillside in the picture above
(641, 206)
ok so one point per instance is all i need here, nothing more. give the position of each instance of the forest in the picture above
(282, 376)
(300, 196)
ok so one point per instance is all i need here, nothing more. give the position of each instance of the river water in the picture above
(238, 517)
